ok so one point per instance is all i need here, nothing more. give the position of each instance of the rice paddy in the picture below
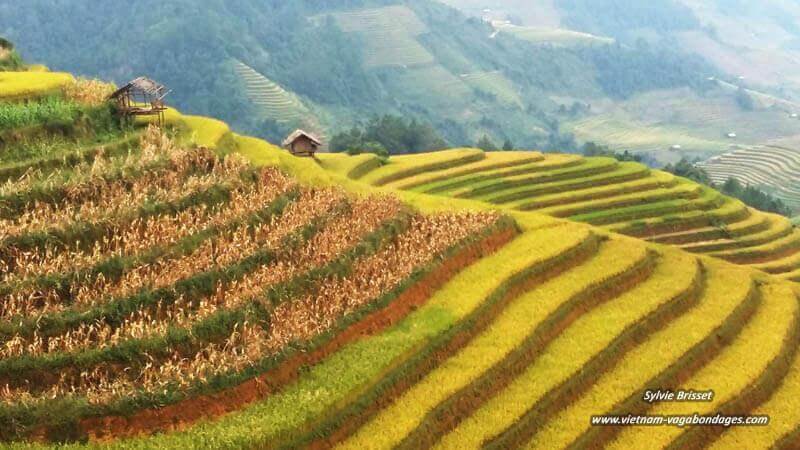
(190, 287)
(618, 196)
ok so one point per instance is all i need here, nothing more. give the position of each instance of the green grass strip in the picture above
(656, 180)
(491, 186)
(405, 166)
(769, 251)
(461, 180)
(730, 211)
(778, 228)
(493, 161)
(709, 200)
(622, 201)
(754, 223)
(624, 173)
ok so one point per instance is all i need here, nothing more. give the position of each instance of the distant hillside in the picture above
(754, 45)
(268, 66)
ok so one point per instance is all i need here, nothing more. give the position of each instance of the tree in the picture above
(755, 197)
(390, 134)
(11, 60)
(369, 147)
(593, 149)
(750, 195)
(486, 144)
(343, 142)
(686, 169)
(508, 145)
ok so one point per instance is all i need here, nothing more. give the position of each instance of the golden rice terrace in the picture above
(193, 288)
(622, 197)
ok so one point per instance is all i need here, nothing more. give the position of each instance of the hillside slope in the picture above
(341, 62)
(751, 45)
(229, 295)
(624, 197)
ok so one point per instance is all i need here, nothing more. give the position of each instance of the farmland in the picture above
(390, 34)
(773, 168)
(655, 121)
(553, 36)
(191, 287)
(622, 197)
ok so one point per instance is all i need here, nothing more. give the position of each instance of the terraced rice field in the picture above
(553, 36)
(434, 85)
(161, 295)
(625, 133)
(276, 103)
(621, 197)
(494, 83)
(390, 34)
(775, 168)
(194, 272)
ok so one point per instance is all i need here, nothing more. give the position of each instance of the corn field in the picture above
(266, 265)
(88, 92)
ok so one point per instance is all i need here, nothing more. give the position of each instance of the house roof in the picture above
(296, 134)
(145, 86)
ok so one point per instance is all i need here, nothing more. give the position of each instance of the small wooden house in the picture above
(302, 143)
(141, 97)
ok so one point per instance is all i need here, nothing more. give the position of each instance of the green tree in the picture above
(686, 169)
(593, 149)
(486, 144)
(11, 60)
(750, 195)
(393, 134)
(508, 145)
(755, 197)
(347, 140)
(369, 147)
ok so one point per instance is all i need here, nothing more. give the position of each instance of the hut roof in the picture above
(145, 86)
(296, 134)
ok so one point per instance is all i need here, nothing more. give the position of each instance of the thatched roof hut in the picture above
(302, 143)
(141, 97)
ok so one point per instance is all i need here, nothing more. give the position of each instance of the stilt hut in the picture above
(141, 97)
(302, 143)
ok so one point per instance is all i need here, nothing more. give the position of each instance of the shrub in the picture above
(369, 147)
